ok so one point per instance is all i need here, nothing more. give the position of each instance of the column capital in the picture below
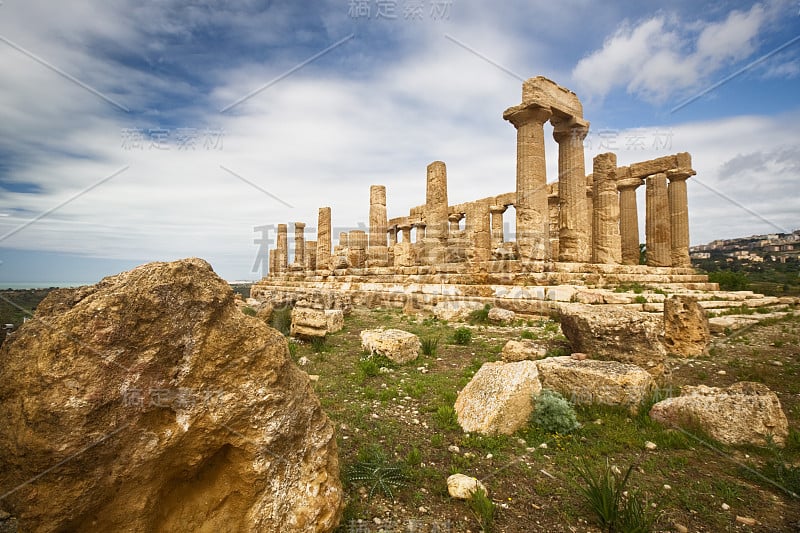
(299, 225)
(522, 114)
(567, 128)
(500, 209)
(629, 183)
(680, 174)
(455, 217)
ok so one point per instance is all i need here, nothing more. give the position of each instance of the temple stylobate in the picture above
(579, 229)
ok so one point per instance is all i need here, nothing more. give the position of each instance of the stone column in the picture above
(311, 255)
(629, 218)
(405, 232)
(679, 216)
(454, 219)
(344, 240)
(657, 223)
(533, 240)
(273, 262)
(283, 248)
(497, 224)
(299, 246)
(479, 230)
(378, 252)
(392, 235)
(605, 227)
(553, 216)
(590, 210)
(574, 230)
(324, 238)
(357, 244)
(436, 201)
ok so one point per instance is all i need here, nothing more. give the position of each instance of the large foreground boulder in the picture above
(398, 345)
(686, 329)
(615, 333)
(148, 402)
(590, 381)
(499, 398)
(744, 413)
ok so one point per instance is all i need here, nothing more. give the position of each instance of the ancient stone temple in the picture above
(579, 230)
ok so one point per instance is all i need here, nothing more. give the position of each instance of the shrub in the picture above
(282, 319)
(480, 316)
(249, 311)
(462, 336)
(603, 491)
(528, 334)
(553, 413)
(640, 299)
(728, 280)
(445, 417)
(483, 509)
(430, 345)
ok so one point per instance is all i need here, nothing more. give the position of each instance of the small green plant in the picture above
(414, 457)
(640, 299)
(557, 351)
(368, 368)
(249, 311)
(292, 349)
(430, 345)
(603, 491)
(377, 473)
(462, 336)
(528, 334)
(282, 319)
(445, 417)
(483, 509)
(480, 316)
(319, 344)
(553, 413)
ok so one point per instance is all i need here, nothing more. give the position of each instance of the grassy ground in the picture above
(397, 423)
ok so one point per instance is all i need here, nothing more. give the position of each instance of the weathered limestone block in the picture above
(461, 487)
(454, 310)
(686, 329)
(499, 398)
(404, 255)
(398, 345)
(157, 406)
(744, 413)
(522, 350)
(334, 320)
(591, 381)
(497, 314)
(308, 322)
(609, 332)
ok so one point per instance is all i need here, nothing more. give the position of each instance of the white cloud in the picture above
(663, 55)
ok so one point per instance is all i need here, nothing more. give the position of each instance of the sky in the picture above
(151, 131)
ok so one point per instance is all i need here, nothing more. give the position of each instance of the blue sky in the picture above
(126, 137)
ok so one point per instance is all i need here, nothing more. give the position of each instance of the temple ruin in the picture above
(581, 230)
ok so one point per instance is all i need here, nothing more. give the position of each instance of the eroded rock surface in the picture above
(744, 413)
(610, 332)
(149, 402)
(398, 345)
(499, 398)
(686, 328)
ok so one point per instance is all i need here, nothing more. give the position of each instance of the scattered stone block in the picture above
(744, 413)
(213, 410)
(499, 398)
(308, 323)
(334, 319)
(455, 310)
(686, 329)
(462, 487)
(592, 381)
(609, 332)
(398, 345)
(522, 350)
(497, 314)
